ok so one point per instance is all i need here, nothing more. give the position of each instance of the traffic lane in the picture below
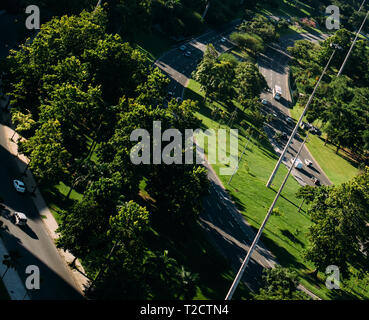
(33, 243)
(307, 172)
(230, 240)
(179, 67)
(281, 61)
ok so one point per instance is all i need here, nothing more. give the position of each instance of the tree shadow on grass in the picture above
(283, 197)
(288, 234)
(190, 247)
(55, 199)
(283, 256)
(345, 157)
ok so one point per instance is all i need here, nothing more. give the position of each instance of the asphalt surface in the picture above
(273, 64)
(225, 226)
(32, 241)
(178, 67)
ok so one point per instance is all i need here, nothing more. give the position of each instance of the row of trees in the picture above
(76, 89)
(340, 103)
(223, 79)
(173, 17)
(339, 234)
(253, 35)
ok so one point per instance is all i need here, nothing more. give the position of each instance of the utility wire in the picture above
(352, 45)
(257, 237)
(300, 120)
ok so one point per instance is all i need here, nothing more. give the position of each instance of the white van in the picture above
(298, 163)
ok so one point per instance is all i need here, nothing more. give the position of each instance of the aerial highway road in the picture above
(225, 225)
(273, 64)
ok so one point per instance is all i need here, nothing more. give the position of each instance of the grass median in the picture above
(286, 232)
(339, 167)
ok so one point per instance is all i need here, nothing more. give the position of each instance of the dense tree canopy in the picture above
(339, 234)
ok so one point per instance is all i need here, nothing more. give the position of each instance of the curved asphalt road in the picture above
(225, 225)
(273, 64)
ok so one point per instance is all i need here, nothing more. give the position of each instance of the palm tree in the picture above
(10, 260)
(189, 283)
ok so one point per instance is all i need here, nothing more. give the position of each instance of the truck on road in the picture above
(298, 163)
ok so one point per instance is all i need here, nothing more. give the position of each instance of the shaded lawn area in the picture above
(338, 167)
(285, 234)
(190, 247)
(3, 292)
(286, 8)
(55, 197)
(153, 44)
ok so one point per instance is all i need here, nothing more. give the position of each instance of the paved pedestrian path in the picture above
(13, 283)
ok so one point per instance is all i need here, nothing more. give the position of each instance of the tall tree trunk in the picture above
(338, 148)
(103, 268)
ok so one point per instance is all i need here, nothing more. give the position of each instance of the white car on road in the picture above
(19, 186)
(20, 218)
(289, 120)
(308, 162)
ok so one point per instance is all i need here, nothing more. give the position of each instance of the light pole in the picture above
(257, 237)
(301, 117)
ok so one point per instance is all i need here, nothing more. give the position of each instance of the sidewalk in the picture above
(50, 223)
(13, 283)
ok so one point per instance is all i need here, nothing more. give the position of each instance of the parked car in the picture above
(289, 120)
(264, 102)
(187, 53)
(284, 136)
(315, 181)
(20, 218)
(19, 186)
(182, 48)
(315, 130)
(179, 99)
(308, 162)
(223, 40)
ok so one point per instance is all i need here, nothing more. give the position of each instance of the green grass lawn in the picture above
(285, 234)
(3, 292)
(338, 167)
(55, 197)
(287, 8)
(153, 44)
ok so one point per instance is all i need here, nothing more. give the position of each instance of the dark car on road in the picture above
(315, 180)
